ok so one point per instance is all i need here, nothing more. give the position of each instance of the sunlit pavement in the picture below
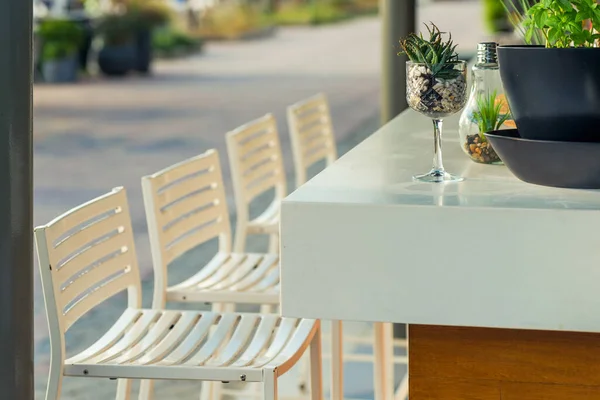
(100, 133)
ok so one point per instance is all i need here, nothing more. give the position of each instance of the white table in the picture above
(362, 241)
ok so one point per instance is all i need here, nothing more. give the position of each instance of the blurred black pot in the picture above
(117, 60)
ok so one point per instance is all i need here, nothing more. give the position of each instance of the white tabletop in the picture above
(362, 241)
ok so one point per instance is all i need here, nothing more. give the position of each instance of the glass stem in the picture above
(438, 166)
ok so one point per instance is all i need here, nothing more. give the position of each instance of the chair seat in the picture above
(147, 344)
(236, 277)
(267, 222)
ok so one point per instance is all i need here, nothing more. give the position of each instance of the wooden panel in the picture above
(537, 391)
(449, 363)
(429, 388)
(505, 354)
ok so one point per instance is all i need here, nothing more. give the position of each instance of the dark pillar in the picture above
(398, 21)
(16, 222)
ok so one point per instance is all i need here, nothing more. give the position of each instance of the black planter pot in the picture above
(143, 50)
(554, 94)
(117, 60)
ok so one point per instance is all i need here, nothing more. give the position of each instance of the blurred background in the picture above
(124, 88)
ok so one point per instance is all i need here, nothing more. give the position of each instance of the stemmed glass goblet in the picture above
(436, 97)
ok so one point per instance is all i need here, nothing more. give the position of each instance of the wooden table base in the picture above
(458, 363)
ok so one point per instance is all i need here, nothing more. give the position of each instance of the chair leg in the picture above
(54, 382)
(146, 390)
(123, 389)
(269, 384)
(274, 243)
(337, 361)
(383, 368)
(239, 243)
(316, 367)
(207, 391)
(402, 391)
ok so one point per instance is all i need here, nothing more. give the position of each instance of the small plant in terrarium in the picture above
(488, 116)
(436, 83)
(436, 86)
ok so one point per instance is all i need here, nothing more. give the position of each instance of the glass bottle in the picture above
(486, 91)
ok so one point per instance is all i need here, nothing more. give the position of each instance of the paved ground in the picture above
(96, 135)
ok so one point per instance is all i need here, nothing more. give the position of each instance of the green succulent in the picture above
(488, 115)
(439, 55)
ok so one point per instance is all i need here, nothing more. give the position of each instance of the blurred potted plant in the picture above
(117, 56)
(60, 44)
(127, 33)
(554, 88)
(146, 15)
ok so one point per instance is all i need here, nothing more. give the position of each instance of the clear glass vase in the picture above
(486, 90)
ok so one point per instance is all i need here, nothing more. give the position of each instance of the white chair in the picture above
(311, 135)
(313, 140)
(185, 207)
(87, 255)
(256, 167)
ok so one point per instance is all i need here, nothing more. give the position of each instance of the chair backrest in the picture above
(185, 207)
(256, 162)
(311, 134)
(86, 256)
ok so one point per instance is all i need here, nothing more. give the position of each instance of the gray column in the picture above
(16, 238)
(398, 20)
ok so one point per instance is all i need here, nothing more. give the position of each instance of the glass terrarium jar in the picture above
(486, 109)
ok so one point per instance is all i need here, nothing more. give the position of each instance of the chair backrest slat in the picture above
(185, 207)
(311, 134)
(256, 161)
(87, 255)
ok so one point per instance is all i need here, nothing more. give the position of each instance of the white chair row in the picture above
(185, 207)
(87, 256)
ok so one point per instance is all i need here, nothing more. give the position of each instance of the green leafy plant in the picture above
(517, 14)
(488, 115)
(562, 22)
(558, 23)
(60, 38)
(439, 55)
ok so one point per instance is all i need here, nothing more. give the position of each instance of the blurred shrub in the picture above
(116, 29)
(169, 42)
(128, 17)
(495, 15)
(60, 38)
(322, 11)
(231, 21)
(148, 14)
(311, 12)
(357, 7)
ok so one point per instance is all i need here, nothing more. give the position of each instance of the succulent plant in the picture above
(439, 55)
